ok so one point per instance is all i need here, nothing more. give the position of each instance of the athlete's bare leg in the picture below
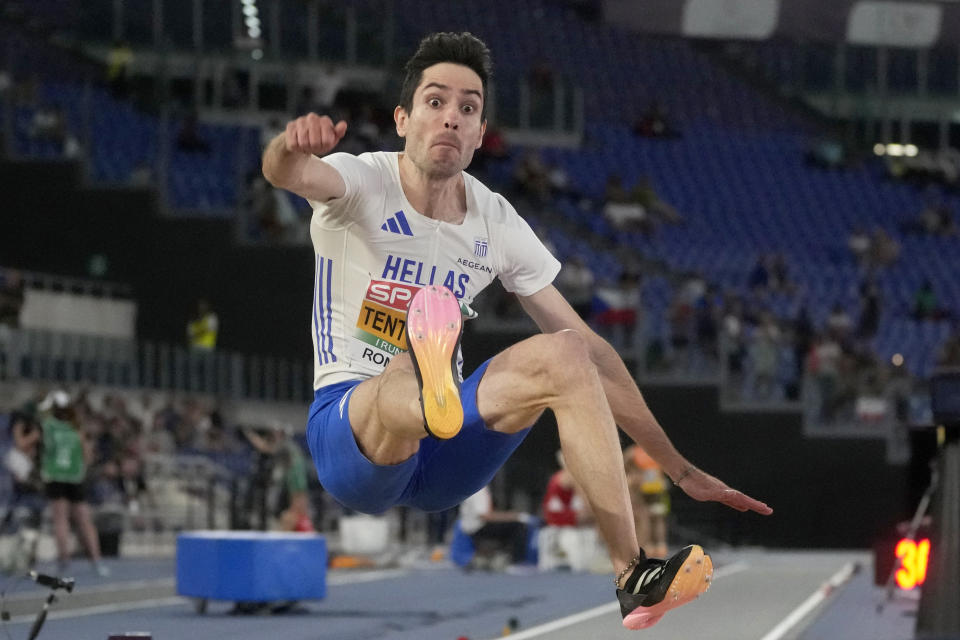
(547, 371)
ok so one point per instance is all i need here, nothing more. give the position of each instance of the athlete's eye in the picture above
(434, 102)
(469, 108)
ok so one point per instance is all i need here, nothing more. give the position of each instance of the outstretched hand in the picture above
(705, 488)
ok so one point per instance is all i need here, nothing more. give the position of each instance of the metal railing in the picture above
(47, 356)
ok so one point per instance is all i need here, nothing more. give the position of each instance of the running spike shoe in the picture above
(657, 586)
(434, 329)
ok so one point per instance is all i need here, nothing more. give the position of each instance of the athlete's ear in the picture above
(400, 117)
(483, 132)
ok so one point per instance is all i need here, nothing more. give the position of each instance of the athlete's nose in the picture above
(451, 118)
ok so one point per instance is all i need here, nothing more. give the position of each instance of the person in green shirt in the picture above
(63, 469)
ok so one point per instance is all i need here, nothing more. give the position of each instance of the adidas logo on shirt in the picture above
(397, 223)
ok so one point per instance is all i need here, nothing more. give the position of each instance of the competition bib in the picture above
(381, 329)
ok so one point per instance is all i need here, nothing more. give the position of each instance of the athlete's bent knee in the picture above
(568, 356)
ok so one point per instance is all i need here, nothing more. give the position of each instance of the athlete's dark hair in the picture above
(459, 48)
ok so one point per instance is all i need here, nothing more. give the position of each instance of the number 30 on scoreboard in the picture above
(913, 557)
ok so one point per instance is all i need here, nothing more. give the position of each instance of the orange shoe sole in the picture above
(694, 577)
(434, 328)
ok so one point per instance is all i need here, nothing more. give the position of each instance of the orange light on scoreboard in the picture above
(913, 556)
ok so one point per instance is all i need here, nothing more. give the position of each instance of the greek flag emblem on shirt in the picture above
(480, 247)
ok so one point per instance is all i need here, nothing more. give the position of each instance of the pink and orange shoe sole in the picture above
(434, 328)
(693, 579)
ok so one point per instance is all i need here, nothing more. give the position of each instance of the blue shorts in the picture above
(440, 475)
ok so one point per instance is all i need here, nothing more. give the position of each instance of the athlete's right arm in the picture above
(290, 160)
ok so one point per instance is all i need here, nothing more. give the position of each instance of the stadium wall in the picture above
(54, 223)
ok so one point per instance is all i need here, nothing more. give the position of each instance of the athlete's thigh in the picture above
(512, 393)
(385, 413)
(449, 471)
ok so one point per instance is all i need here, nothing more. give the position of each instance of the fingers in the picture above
(313, 134)
(743, 502)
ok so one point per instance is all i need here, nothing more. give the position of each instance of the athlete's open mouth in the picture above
(447, 142)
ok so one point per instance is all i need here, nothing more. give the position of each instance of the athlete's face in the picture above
(444, 126)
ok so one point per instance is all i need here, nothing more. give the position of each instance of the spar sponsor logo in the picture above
(381, 329)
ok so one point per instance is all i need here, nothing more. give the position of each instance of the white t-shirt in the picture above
(373, 251)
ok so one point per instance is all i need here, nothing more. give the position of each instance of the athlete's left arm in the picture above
(552, 313)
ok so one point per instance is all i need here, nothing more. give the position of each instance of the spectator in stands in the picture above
(780, 274)
(262, 207)
(21, 492)
(327, 85)
(647, 197)
(532, 177)
(925, 302)
(202, 329)
(764, 354)
(616, 309)
(654, 123)
(26, 436)
(884, 249)
(649, 497)
(19, 460)
(680, 315)
(839, 324)
(860, 245)
(67, 453)
(576, 282)
(623, 210)
(936, 216)
(194, 425)
(759, 279)
(733, 340)
(287, 461)
(493, 148)
(562, 505)
(707, 319)
(189, 139)
(493, 531)
(824, 362)
(11, 297)
(119, 59)
(803, 335)
(945, 224)
(163, 429)
(628, 217)
(869, 310)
